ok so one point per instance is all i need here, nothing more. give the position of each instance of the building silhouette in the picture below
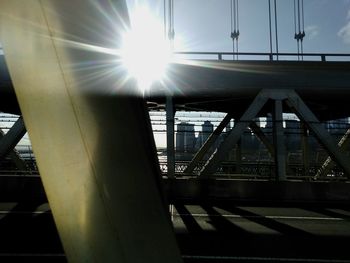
(185, 137)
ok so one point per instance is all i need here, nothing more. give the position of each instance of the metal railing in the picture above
(324, 57)
(258, 171)
(263, 55)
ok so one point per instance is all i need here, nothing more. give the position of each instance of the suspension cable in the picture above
(299, 16)
(276, 27)
(295, 17)
(172, 19)
(296, 37)
(231, 9)
(237, 17)
(299, 26)
(302, 15)
(296, 34)
(234, 26)
(303, 28)
(170, 24)
(270, 27)
(234, 10)
(164, 18)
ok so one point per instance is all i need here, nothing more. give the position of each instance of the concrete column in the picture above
(90, 132)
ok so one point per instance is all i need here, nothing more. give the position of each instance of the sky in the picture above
(204, 25)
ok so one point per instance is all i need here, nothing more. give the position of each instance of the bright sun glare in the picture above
(145, 51)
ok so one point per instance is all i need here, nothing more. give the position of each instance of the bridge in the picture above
(105, 207)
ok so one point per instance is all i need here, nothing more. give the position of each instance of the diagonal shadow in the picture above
(221, 223)
(267, 222)
(189, 221)
(327, 212)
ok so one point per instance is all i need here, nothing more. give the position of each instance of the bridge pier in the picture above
(87, 126)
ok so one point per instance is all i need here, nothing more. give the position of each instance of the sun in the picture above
(145, 51)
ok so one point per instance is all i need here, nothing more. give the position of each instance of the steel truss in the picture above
(280, 98)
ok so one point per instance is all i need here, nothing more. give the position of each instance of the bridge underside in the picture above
(230, 86)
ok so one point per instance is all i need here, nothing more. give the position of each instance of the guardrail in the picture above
(264, 55)
(257, 170)
(269, 56)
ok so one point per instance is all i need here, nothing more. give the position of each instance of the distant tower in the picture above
(185, 137)
(207, 129)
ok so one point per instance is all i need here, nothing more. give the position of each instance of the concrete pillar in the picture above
(90, 133)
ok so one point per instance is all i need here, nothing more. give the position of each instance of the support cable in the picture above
(237, 17)
(303, 28)
(171, 31)
(164, 18)
(270, 27)
(234, 26)
(299, 25)
(295, 27)
(299, 16)
(172, 20)
(234, 15)
(276, 28)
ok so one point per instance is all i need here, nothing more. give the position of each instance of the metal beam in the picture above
(15, 157)
(170, 132)
(262, 137)
(278, 141)
(12, 137)
(306, 115)
(234, 135)
(238, 154)
(208, 144)
(305, 148)
(328, 163)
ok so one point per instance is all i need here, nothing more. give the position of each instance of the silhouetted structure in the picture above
(185, 137)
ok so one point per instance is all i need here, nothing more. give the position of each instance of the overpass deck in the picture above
(229, 86)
